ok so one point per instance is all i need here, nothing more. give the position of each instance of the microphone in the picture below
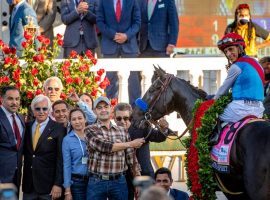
(141, 104)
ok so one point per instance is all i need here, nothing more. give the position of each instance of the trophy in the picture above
(31, 28)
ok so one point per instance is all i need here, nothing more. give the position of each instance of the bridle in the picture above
(148, 115)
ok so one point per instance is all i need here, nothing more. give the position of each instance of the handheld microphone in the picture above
(141, 104)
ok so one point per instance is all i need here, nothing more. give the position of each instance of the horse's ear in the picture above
(156, 69)
(161, 71)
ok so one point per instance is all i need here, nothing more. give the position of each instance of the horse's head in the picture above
(159, 99)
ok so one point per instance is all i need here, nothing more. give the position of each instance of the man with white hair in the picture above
(53, 88)
(43, 163)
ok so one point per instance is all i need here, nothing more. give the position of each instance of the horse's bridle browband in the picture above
(164, 87)
(148, 116)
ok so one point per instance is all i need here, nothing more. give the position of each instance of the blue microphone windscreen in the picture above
(141, 104)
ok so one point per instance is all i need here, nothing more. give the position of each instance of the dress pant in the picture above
(134, 80)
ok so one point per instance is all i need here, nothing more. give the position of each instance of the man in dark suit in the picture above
(11, 136)
(43, 163)
(18, 19)
(159, 30)
(119, 21)
(79, 16)
(163, 178)
(122, 116)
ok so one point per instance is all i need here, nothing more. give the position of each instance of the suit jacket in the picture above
(178, 195)
(43, 167)
(46, 12)
(73, 23)
(10, 156)
(143, 153)
(16, 25)
(162, 28)
(108, 26)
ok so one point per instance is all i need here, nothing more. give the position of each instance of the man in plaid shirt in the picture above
(110, 153)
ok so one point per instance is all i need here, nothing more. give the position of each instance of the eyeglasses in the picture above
(124, 118)
(43, 109)
(52, 88)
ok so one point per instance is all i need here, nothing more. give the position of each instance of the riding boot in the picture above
(214, 138)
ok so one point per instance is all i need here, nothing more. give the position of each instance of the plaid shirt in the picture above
(102, 160)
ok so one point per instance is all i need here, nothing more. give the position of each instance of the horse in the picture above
(249, 178)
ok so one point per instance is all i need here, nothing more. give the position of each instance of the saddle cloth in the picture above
(220, 153)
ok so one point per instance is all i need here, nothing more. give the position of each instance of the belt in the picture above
(107, 177)
(80, 177)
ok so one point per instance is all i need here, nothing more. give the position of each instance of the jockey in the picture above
(245, 79)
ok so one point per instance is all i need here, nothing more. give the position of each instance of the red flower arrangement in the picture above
(38, 63)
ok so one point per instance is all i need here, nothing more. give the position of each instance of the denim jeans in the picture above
(78, 189)
(98, 189)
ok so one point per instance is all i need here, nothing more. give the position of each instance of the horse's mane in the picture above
(200, 92)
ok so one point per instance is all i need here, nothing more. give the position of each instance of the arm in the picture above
(131, 160)
(136, 21)
(261, 32)
(173, 22)
(47, 20)
(102, 25)
(66, 163)
(233, 73)
(90, 115)
(91, 14)
(97, 143)
(68, 16)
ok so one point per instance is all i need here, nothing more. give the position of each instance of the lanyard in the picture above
(80, 143)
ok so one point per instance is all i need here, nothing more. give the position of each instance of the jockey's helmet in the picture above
(231, 39)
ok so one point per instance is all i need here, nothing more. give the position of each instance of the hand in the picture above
(82, 7)
(74, 97)
(137, 192)
(137, 143)
(56, 192)
(120, 38)
(163, 124)
(169, 49)
(68, 196)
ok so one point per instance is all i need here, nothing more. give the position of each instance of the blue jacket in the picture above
(249, 84)
(108, 26)
(162, 28)
(10, 156)
(178, 195)
(16, 26)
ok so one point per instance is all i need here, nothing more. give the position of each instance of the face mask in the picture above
(10, 2)
(244, 20)
(267, 77)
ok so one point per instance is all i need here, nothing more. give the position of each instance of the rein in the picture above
(148, 117)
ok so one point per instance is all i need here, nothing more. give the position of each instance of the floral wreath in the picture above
(200, 175)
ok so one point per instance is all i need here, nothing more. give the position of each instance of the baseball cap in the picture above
(100, 99)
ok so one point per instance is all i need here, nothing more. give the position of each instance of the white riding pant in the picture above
(238, 109)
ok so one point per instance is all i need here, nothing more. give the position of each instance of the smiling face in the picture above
(41, 111)
(232, 53)
(61, 113)
(77, 121)
(11, 101)
(122, 118)
(103, 111)
(53, 90)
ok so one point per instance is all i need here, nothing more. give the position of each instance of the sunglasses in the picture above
(124, 118)
(43, 109)
(52, 88)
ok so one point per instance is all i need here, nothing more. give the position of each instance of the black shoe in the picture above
(214, 137)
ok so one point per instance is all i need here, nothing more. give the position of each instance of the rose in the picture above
(27, 36)
(100, 72)
(34, 71)
(73, 54)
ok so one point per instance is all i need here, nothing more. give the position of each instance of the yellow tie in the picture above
(36, 136)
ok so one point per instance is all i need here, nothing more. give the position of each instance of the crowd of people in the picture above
(86, 151)
(91, 150)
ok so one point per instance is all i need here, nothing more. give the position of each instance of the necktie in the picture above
(150, 7)
(16, 131)
(36, 136)
(118, 10)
